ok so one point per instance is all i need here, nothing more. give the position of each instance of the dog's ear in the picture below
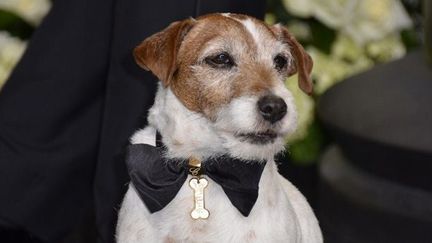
(302, 60)
(158, 53)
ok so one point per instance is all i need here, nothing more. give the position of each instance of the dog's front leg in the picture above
(133, 225)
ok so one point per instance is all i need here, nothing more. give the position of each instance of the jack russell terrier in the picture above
(204, 169)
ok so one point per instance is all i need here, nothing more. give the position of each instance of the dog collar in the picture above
(157, 179)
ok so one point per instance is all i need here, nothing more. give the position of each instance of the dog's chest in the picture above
(272, 216)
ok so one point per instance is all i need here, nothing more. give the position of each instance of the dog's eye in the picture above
(221, 60)
(280, 62)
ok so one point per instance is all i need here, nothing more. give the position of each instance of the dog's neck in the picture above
(186, 133)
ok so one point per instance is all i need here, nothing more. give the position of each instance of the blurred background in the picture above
(362, 153)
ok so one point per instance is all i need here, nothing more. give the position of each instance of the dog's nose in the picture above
(272, 108)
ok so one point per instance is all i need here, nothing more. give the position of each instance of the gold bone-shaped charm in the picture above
(198, 185)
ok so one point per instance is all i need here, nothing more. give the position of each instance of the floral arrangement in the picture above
(11, 49)
(18, 18)
(343, 37)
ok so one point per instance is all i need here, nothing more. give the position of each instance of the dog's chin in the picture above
(258, 138)
(259, 145)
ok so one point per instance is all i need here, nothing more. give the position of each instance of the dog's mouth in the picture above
(258, 137)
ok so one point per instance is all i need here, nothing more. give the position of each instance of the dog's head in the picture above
(230, 69)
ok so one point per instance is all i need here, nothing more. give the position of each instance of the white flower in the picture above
(4, 74)
(327, 70)
(11, 50)
(270, 18)
(300, 30)
(32, 11)
(332, 68)
(386, 49)
(345, 48)
(361, 20)
(301, 8)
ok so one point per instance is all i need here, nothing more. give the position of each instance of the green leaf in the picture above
(307, 150)
(411, 39)
(322, 36)
(15, 25)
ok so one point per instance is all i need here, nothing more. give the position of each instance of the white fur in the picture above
(185, 133)
(265, 47)
(240, 116)
(280, 214)
(253, 30)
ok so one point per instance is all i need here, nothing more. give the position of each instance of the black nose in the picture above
(272, 108)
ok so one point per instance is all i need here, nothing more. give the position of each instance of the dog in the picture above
(221, 96)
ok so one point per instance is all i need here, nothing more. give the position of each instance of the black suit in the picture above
(70, 106)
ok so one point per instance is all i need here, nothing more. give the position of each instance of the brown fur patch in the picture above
(239, 16)
(253, 80)
(158, 53)
(303, 61)
(187, 87)
(169, 239)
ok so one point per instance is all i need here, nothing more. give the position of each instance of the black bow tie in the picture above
(157, 180)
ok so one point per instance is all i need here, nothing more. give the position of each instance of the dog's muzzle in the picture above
(272, 108)
(258, 138)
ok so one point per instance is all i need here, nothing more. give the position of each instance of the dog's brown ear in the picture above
(302, 60)
(158, 53)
